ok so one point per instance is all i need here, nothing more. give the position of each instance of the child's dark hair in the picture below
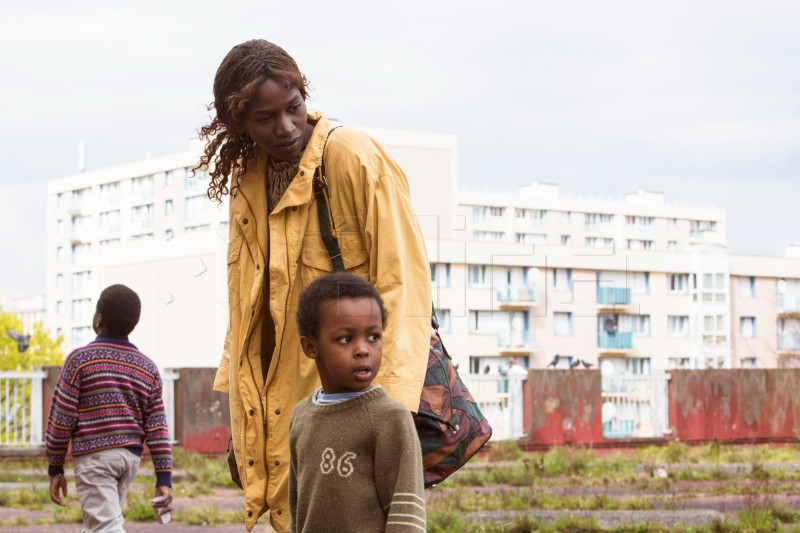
(120, 308)
(332, 287)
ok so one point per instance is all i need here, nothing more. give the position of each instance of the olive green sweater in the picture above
(356, 466)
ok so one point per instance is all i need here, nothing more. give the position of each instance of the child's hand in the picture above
(58, 489)
(162, 504)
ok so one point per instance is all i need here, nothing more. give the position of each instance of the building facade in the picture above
(629, 285)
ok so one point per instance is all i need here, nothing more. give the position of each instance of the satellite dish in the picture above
(782, 286)
(610, 326)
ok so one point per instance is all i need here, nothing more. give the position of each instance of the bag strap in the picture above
(327, 228)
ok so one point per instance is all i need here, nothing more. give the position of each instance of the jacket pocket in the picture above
(315, 260)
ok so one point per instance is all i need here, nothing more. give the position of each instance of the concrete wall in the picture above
(735, 405)
(565, 407)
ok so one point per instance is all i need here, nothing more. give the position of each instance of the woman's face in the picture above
(276, 119)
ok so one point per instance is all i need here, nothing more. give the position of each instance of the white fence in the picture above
(21, 409)
(500, 400)
(22, 416)
(635, 406)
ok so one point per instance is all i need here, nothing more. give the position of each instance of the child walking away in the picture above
(108, 403)
(356, 463)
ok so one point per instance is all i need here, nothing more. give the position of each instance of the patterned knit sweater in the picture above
(355, 466)
(109, 396)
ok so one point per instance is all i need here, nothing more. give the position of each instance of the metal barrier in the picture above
(635, 406)
(500, 400)
(21, 409)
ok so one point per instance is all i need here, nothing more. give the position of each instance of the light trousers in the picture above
(102, 480)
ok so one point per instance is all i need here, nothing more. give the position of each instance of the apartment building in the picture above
(629, 285)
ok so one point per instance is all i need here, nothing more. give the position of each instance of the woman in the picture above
(263, 149)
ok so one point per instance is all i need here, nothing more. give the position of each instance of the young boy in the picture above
(108, 403)
(356, 463)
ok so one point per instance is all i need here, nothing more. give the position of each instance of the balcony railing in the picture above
(613, 295)
(620, 340)
(516, 294)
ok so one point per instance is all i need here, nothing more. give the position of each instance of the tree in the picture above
(42, 350)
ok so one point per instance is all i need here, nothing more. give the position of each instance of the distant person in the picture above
(356, 457)
(108, 404)
(264, 149)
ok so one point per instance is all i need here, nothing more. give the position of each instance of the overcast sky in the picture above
(700, 100)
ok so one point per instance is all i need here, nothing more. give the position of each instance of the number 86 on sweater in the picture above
(344, 465)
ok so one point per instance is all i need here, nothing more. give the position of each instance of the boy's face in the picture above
(348, 347)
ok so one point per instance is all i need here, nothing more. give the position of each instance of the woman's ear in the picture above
(309, 347)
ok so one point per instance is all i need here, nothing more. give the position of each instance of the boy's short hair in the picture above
(121, 308)
(332, 287)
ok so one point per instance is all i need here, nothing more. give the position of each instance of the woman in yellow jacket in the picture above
(263, 149)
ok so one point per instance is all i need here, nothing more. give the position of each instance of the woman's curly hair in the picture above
(228, 148)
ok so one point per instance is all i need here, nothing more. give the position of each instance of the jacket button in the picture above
(251, 462)
(244, 221)
(258, 267)
(249, 514)
(302, 172)
(277, 411)
(252, 412)
(294, 208)
(280, 512)
(277, 463)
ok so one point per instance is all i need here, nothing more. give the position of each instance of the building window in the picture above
(167, 207)
(749, 362)
(639, 282)
(194, 206)
(531, 218)
(672, 246)
(639, 366)
(80, 198)
(638, 244)
(80, 281)
(678, 283)
(562, 324)
(81, 336)
(673, 223)
(80, 253)
(678, 326)
(562, 279)
(598, 220)
(494, 236)
(477, 275)
(697, 227)
(566, 240)
(81, 309)
(142, 216)
(678, 363)
(106, 242)
(59, 253)
(531, 238)
(747, 327)
(747, 287)
(142, 187)
(639, 325)
(440, 274)
(167, 177)
(483, 214)
(109, 221)
(59, 281)
(599, 242)
(109, 193)
(59, 307)
(443, 315)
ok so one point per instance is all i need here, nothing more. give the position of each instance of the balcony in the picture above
(788, 305)
(516, 297)
(515, 342)
(613, 296)
(622, 340)
(788, 343)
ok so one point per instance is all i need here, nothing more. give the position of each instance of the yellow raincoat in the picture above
(380, 240)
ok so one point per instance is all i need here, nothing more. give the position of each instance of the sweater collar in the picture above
(112, 339)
